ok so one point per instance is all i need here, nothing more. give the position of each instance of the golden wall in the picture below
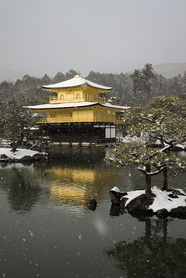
(94, 114)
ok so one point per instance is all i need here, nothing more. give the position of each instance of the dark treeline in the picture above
(128, 89)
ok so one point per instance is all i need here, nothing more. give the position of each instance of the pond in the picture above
(47, 229)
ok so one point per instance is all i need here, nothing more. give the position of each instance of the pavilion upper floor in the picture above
(77, 95)
(76, 89)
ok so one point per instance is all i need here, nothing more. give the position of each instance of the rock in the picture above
(140, 204)
(116, 211)
(92, 204)
(173, 196)
(4, 156)
(161, 213)
(38, 157)
(179, 212)
(177, 192)
(26, 158)
(116, 196)
(123, 202)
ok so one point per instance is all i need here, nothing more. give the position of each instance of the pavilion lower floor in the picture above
(79, 132)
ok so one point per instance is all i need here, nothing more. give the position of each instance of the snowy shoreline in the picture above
(161, 203)
(6, 155)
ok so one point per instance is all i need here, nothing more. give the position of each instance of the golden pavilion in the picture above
(77, 112)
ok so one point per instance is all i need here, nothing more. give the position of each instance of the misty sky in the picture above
(106, 36)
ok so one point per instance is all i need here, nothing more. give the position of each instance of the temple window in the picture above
(77, 96)
(61, 97)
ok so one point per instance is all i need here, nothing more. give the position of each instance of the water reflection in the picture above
(73, 178)
(22, 191)
(77, 185)
(153, 255)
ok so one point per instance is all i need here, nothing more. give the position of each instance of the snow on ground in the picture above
(162, 200)
(129, 138)
(20, 153)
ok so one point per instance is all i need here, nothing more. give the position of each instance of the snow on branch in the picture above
(152, 120)
(143, 170)
(158, 151)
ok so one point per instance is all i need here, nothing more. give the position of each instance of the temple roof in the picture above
(75, 105)
(77, 81)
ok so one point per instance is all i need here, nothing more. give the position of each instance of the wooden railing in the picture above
(78, 119)
(73, 99)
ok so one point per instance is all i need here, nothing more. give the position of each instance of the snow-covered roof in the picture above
(62, 105)
(74, 105)
(116, 106)
(77, 81)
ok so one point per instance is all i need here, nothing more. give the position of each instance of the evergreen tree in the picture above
(137, 81)
(142, 80)
(18, 124)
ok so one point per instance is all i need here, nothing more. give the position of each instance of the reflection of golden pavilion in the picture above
(68, 184)
(76, 186)
(76, 175)
(68, 194)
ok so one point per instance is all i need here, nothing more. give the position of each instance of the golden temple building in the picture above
(77, 112)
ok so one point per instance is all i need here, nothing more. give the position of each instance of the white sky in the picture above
(48, 36)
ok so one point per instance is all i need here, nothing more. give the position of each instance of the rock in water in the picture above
(116, 195)
(92, 204)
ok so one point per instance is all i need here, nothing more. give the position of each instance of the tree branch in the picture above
(151, 173)
(148, 119)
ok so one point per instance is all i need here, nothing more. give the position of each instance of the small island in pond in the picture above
(21, 155)
(160, 203)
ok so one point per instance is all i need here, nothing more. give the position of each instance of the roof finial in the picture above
(78, 72)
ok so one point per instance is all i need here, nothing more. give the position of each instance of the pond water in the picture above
(47, 229)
